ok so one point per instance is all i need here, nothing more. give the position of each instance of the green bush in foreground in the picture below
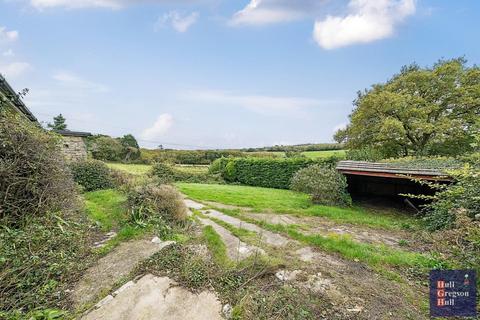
(324, 184)
(92, 175)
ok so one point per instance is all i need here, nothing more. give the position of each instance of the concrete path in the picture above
(152, 298)
(109, 269)
(236, 249)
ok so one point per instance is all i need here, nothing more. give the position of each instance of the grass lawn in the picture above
(136, 169)
(107, 209)
(324, 154)
(286, 201)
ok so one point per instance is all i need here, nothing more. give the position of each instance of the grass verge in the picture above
(136, 169)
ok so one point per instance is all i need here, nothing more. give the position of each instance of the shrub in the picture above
(34, 178)
(92, 175)
(164, 172)
(270, 173)
(218, 166)
(324, 184)
(464, 194)
(105, 148)
(152, 201)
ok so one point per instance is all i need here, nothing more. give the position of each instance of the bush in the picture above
(269, 173)
(324, 184)
(92, 175)
(152, 201)
(164, 172)
(34, 178)
(464, 194)
(105, 148)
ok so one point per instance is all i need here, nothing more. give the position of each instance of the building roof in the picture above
(68, 133)
(390, 170)
(8, 92)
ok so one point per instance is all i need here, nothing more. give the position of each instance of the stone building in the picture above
(74, 147)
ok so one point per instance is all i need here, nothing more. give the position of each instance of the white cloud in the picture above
(161, 126)
(260, 12)
(261, 104)
(14, 69)
(367, 21)
(69, 79)
(8, 35)
(8, 53)
(179, 22)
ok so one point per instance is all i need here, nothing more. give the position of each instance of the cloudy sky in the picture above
(220, 73)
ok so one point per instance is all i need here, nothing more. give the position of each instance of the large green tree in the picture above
(420, 111)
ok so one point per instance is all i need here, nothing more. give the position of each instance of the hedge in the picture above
(268, 173)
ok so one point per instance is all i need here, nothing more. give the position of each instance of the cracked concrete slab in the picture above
(236, 249)
(268, 237)
(152, 298)
(117, 264)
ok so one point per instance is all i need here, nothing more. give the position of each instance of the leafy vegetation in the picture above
(59, 123)
(92, 175)
(106, 148)
(326, 185)
(420, 111)
(166, 173)
(34, 178)
(286, 201)
(151, 201)
(269, 173)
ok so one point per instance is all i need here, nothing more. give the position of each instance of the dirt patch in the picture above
(111, 268)
(154, 297)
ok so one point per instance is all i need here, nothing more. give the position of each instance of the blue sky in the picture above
(220, 73)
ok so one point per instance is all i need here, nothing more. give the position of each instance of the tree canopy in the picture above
(420, 111)
(58, 123)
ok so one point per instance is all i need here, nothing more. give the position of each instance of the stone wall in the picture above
(74, 148)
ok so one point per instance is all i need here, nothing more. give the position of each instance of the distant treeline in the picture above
(198, 157)
(298, 147)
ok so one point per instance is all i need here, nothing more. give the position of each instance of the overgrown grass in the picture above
(136, 169)
(286, 201)
(106, 208)
(216, 246)
(370, 254)
(324, 154)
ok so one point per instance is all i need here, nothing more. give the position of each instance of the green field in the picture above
(136, 169)
(324, 154)
(286, 201)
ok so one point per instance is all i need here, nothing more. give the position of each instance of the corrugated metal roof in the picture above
(13, 98)
(73, 133)
(388, 168)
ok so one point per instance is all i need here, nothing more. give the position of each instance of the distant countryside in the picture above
(241, 160)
